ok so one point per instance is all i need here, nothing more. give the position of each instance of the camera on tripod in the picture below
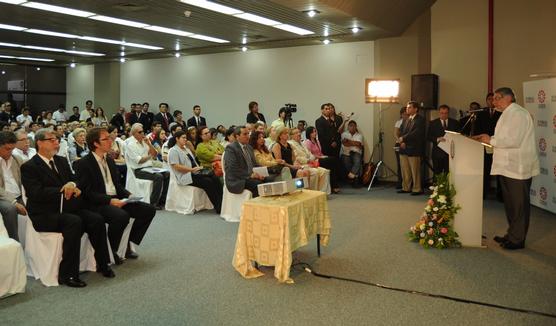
(290, 108)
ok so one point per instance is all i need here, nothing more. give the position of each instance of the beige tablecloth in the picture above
(272, 227)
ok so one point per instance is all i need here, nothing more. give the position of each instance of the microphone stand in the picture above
(472, 117)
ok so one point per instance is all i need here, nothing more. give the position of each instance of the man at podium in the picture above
(515, 161)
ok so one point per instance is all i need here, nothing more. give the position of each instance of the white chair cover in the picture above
(138, 187)
(123, 242)
(13, 272)
(232, 204)
(43, 253)
(185, 199)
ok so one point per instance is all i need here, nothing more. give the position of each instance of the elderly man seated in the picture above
(23, 149)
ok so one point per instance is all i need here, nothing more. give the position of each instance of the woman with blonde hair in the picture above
(320, 177)
(283, 151)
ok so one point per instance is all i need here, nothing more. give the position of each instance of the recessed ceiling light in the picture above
(100, 39)
(326, 41)
(177, 55)
(311, 13)
(38, 68)
(244, 40)
(94, 54)
(42, 48)
(12, 27)
(213, 6)
(142, 46)
(3, 72)
(293, 29)
(58, 9)
(11, 45)
(325, 33)
(72, 65)
(119, 21)
(168, 30)
(49, 33)
(208, 38)
(257, 19)
(25, 58)
(243, 48)
(122, 54)
(122, 60)
(355, 29)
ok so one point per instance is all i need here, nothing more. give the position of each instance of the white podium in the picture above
(466, 174)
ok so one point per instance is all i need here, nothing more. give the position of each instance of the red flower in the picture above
(443, 230)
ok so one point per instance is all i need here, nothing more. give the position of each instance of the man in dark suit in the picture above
(103, 193)
(437, 129)
(164, 117)
(46, 177)
(118, 120)
(412, 146)
(138, 116)
(239, 161)
(150, 116)
(327, 132)
(486, 122)
(196, 120)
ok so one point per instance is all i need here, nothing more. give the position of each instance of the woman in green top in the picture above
(208, 151)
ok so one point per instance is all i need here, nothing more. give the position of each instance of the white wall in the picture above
(223, 84)
(80, 86)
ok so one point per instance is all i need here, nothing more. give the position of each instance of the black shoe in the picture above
(106, 272)
(403, 192)
(73, 282)
(500, 239)
(117, 259)
(417, 193)
(130, 254)
(512, 246)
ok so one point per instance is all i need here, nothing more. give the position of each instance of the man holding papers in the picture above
(104, 194)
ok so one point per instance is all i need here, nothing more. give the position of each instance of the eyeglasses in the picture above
(497, 97)
(50, 139)
(23, 139)
(141, 132)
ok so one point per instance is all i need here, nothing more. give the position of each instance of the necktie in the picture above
(247, 158)
(444, 126)
(198, 122)
(104, 170)
(491, 112)
(52, 166)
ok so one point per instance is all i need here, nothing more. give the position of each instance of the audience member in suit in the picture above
(327, 133)
(164, 116)
(412, 146)
(486, 121)
(103, 193)
(150, 116)
(118, 120)
(139, 153)
(437, 129)
(11, 203)
(137, 116)
(239, 161)
(254, 115)
(196, 120)
(187, 171)
(46, 177)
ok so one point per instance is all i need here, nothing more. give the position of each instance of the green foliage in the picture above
(435, 227)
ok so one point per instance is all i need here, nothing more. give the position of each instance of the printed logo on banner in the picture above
(542, 123)
(543, 194)
(542, 147)
(541, 96)
(529, 99)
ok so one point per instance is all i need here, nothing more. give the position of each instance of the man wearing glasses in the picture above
(515, 161)
(23, 149)
(54, 205)
(139, 154)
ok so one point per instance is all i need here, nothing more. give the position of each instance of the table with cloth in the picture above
(271, 228)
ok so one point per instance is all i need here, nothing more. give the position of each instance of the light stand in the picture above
(381, 91)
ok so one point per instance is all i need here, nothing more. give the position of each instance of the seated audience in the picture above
(11, 202)
(280, 122)
(48, 120)
(263, 156)
(139, 153)
(178, 118)
(79, 148)
(188, 172)
(282, 150)
(208, 151)
(64, 150)
(192, 137)
(229, 137)
(158, 140)
(23, 149)
(103, 193)
(117, 152)
(320, 177)
(352, 151)
(99, 117)
(329, 162)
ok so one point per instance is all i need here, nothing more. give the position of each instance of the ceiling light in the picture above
(118, 21)
(72, 65)
(122, 54)
(326, 41)
(3, 72)
(35, 59)
(49, 33)
(7, 57)
(244, 48)
(122, 60)
(244, 40)
(100, 39)
(312, 13)
(94, 54)
(11, 45)
(177, 46)
(167, 30)
(12, 27)
(213, 6)
(58, 9)
(293, 29)
(38, 68)
(42, 48)
(355, 29)
(13, 2)
(325, 33)
(142, 46)
(208, 38)
(177, 55)
(257, 19)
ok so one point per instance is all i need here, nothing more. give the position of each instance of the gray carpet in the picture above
(184, 276)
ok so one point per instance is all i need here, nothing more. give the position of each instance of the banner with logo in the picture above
(540, 101)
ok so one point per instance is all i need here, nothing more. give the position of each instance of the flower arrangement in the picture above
(434, 229)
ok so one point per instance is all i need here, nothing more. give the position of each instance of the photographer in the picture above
(281, 121)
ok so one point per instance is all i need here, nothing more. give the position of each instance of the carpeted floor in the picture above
(184, 276)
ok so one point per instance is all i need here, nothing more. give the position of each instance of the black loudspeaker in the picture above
(424, 90)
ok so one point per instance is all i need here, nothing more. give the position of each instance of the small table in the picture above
(272, 227)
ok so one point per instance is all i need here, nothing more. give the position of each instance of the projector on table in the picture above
(282, 187)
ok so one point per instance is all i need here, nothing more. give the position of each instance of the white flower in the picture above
(431, 223)
(428, 208)
(440, 239)
(435, 209)
(431, 241)
(442, 199)
(422, 226)
(422, 234)
(431, 187)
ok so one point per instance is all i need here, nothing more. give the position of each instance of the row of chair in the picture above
(12, 265)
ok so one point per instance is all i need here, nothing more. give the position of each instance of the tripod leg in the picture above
(378, 165)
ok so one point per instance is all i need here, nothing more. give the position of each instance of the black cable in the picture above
(308, 269)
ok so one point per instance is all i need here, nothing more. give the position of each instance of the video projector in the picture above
(282, 187)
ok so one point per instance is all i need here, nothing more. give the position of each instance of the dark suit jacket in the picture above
(158, 117)
(42, 187)
(251, 118)
(327, 134)
(142, 119)
(436, 130)
(90, 178)
(150, 119)
(235, 167)
(118, 122)
(413, 133)
(487, 123)
(192, 122)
